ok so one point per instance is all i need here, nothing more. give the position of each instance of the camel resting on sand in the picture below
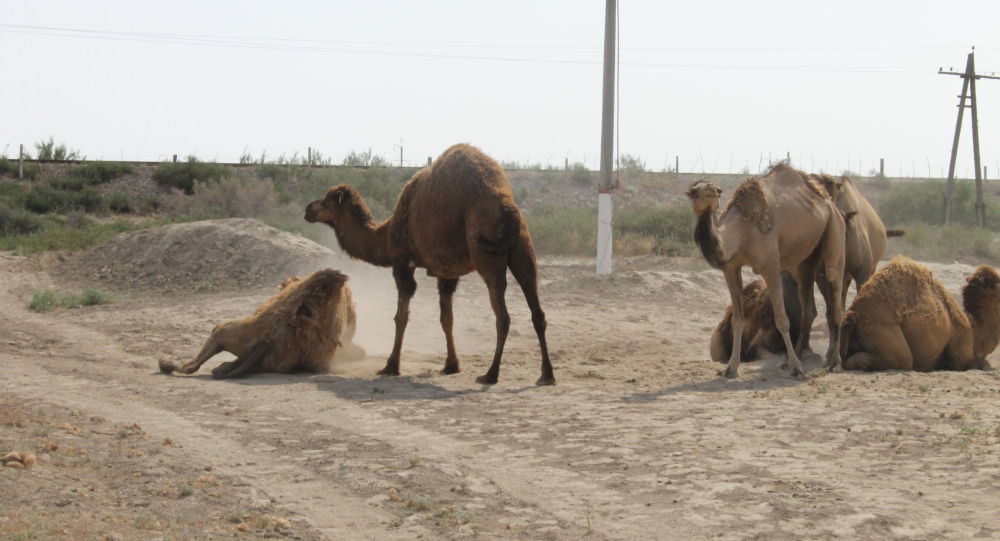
(303, 327)
(904, 319)
(453, 217)
(759, 332)
(782, 221)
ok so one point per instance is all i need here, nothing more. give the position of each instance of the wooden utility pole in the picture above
(969, 78)
(604, 208)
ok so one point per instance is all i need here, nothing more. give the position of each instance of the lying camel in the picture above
(759, 332)
(782, 221)
(301, 328)
(453, 217)
(904, 319)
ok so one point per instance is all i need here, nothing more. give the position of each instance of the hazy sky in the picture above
(723, 85)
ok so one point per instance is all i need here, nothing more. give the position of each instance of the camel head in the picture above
(704, 196)
(981, 295)
(332, 205)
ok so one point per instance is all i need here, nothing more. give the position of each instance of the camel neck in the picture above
(706, 236)
(364, 239)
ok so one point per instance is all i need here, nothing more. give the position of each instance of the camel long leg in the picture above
(883, 348)
(446, 290)
(406, 286)
(832, 257)
(805, 277)
(213, 346)
(793, 308)
(496, 282)
(734, 281)
(247, 364)
(959, 353)
(523, 267)
(774, 287)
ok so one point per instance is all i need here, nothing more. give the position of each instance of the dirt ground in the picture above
(640, 438)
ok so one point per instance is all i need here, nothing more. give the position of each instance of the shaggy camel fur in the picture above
(302, 327)
(456, 216)
(782, 221)
(904, 319)
(759, 332)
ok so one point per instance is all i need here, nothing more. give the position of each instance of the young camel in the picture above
(456, 216)
(904, 319)
(782, 221)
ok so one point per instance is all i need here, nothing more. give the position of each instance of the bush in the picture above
(670, 230)
(631, 165)
(365, 159)
(184, 175)
(923, 202)
(563, 230)
(120, 203)
(49, 150)
(69, 234)
(16, 221)
(580, 175)
(99, 172)
(46, 300)
(955, 242)
(8, 167)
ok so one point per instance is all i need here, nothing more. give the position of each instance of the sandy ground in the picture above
(640, 438)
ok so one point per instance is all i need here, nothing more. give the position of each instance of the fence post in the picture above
(566, 167)
(677, 164)
(175, 158)
(309, 155)
(20, 162)
(428, 160)
(881, 167)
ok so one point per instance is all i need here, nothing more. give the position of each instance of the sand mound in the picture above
(209, 255)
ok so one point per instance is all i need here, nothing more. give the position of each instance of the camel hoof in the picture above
(730, 373)
(550, 380)
(799, 374)
(448, 370)
(486, 380)
(387, 372)
(835, 368)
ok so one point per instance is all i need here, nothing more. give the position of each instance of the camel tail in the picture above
(707, 239)
(510, 231)
(895, 232)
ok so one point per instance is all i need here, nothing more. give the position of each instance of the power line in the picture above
(234, 39)
(368, 52)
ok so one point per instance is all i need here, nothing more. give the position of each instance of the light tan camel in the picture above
(864, 246)
(456, 216)
(303, 327)
(904, 319)
(781, 221)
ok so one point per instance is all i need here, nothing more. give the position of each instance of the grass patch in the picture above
(950, 243)
(46, 300)
(923, 203)
(640, 231)
(70, 233)
(99, 172)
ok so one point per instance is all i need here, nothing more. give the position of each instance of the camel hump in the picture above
(753, 205)
(464, 164)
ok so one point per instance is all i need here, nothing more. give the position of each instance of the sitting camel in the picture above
(759, 332)
(864, 246)
(303, 327)
(453, 217)
(782, 221)
(904, 319)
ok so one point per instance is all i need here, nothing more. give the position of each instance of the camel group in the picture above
(901, 318)
(796, 230)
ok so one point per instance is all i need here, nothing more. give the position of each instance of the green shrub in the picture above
(923, 202)
(92, 297)
(183, 175)
(563, 230)
(8, 167)
(670, 229)
(955, 242)
(49, 150)
(99, 172)
(13, 194)
(45, 199)
(365, 159)
(46, 300)
(631, 164)
(32, 171)
(580, 175)
(16, 221)
(120, 203)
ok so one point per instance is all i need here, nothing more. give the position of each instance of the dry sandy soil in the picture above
(640, 439)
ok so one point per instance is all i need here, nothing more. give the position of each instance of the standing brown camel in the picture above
(904, 319)
(453, 217)
(782, 221)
